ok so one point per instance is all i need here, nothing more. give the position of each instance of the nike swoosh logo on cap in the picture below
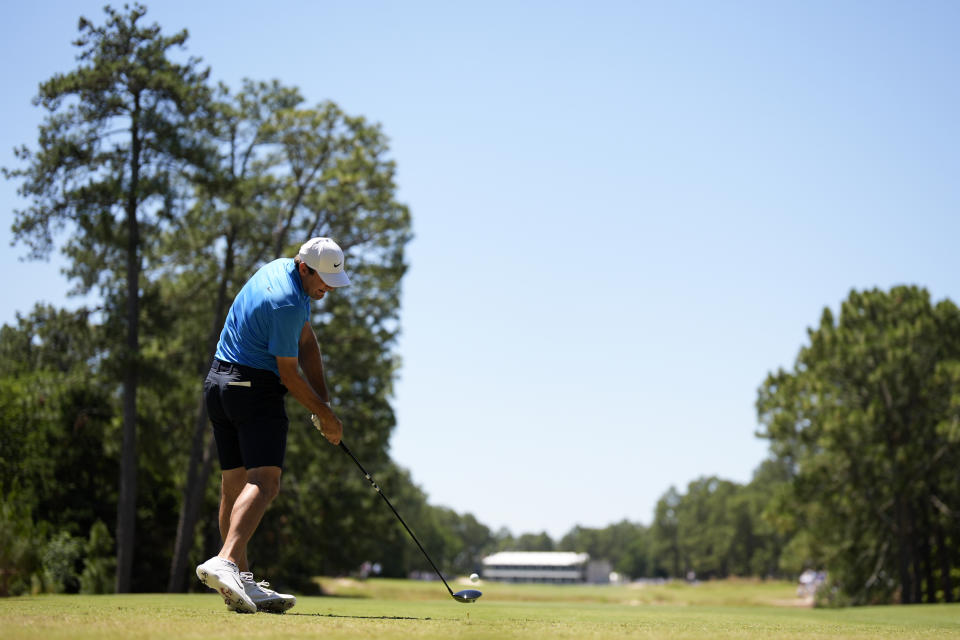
(337, 266)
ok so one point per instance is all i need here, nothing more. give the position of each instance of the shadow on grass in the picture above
(335, 615)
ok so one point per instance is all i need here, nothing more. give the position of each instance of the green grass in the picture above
(402, 610)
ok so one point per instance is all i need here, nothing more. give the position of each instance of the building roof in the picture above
(536, 558)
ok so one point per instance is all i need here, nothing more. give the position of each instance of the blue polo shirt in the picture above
(266, 318)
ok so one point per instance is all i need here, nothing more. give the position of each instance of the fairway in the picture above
(401, 610)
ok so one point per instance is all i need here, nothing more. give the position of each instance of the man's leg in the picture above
(217, 573)
(262, 486)
(232, 483)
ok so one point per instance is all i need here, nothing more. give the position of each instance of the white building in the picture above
(544, 566)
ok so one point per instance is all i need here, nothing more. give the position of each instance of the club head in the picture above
(467, 595)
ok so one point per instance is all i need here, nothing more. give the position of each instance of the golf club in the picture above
(467, 595)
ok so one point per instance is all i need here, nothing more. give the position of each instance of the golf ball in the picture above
(474, 577)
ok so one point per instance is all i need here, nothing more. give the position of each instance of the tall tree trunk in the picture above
(944, 557)
(127, 503)
(926, 558)
(202, 448)
(904, 547)
(192, 499)
(921, 587)
(198, 474)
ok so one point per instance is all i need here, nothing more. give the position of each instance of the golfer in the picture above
(266, 342)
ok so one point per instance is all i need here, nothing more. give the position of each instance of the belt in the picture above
(221, 366)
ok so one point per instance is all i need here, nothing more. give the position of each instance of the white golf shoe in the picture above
(266, 599)
(223, 577)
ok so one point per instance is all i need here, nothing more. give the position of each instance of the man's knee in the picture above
(268, 487)
(267, 479)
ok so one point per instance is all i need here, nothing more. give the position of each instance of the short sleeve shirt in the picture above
(266, 318)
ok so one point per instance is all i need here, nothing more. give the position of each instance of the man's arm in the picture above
(299, 388)
(311, 362)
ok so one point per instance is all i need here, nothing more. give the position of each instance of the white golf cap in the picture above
(325, 256)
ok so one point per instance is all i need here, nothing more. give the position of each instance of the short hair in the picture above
(309, 269)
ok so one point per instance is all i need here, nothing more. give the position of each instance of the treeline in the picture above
(167, 193)
(862, 479)
(715, 529)
(807, 506)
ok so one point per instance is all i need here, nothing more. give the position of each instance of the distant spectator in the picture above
(810, 581)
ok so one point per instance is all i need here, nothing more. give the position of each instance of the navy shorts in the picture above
(248, 414)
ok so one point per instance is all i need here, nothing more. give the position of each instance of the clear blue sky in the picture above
(626, 213)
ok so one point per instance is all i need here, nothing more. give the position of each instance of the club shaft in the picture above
(374, 484)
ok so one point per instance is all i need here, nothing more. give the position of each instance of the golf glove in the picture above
(334, 426)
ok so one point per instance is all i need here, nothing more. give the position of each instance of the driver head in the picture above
(467, 595)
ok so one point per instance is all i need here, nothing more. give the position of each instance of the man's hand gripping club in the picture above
(331, 431)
